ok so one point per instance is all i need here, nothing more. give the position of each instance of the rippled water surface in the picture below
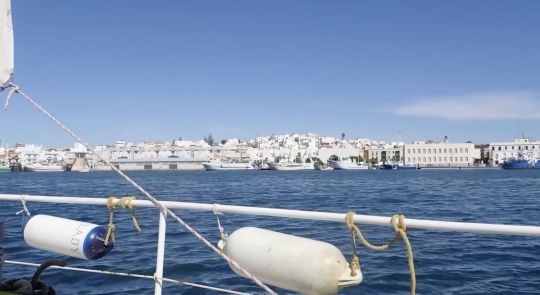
(446, 262)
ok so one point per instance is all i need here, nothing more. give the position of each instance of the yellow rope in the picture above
(125, 202)
(111, 204)
(398, 224)
(355, 262)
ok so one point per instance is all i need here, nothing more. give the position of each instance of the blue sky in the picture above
(159, 70)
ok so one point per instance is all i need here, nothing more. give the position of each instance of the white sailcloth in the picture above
(6, 42)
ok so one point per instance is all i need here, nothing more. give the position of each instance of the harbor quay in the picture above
(287, 148)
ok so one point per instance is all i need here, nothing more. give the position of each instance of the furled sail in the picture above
(6, 42)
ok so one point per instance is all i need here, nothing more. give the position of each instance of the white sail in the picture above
(6, 42)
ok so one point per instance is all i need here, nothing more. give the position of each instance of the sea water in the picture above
(446, 262)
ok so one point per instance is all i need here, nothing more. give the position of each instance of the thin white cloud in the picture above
(479, 106)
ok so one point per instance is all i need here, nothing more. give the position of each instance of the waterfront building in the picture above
(149, 155)
(233, 150)
(30, 154)
(384, 152)
(481, 154)
(439, 154)
(154, 164)
(501, 151)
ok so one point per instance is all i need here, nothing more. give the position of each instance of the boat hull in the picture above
(517, 164)
(348, 166)
(290, 167)
(44, 169)
(404, 167)
(226, 166)
(386, 167)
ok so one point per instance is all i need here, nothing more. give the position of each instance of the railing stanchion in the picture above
(162, 231)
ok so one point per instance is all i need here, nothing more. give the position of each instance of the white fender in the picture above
(67, 237)
(290, 262)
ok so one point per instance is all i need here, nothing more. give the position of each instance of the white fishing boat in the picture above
(323, 167)
(44, 168)
(290, 166)
(348, 165)
(401, 166)
(296, 264)
(218, 165)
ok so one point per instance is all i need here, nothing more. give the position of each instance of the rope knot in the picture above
(398, 222)
(349, 219)
(124, 202)
(111, 203)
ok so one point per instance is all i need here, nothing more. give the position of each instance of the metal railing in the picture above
(483, 228)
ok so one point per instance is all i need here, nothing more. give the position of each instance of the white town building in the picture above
(501, 151)
(439, 154)
(150, 155)
(382, 152)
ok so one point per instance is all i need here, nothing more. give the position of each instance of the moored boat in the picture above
(405, 167)
(518, 163)
(218, 165)
(397, 166)
(348, 165)
(386, 166)
(290, 166)
(322, 167)
(44, 168)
